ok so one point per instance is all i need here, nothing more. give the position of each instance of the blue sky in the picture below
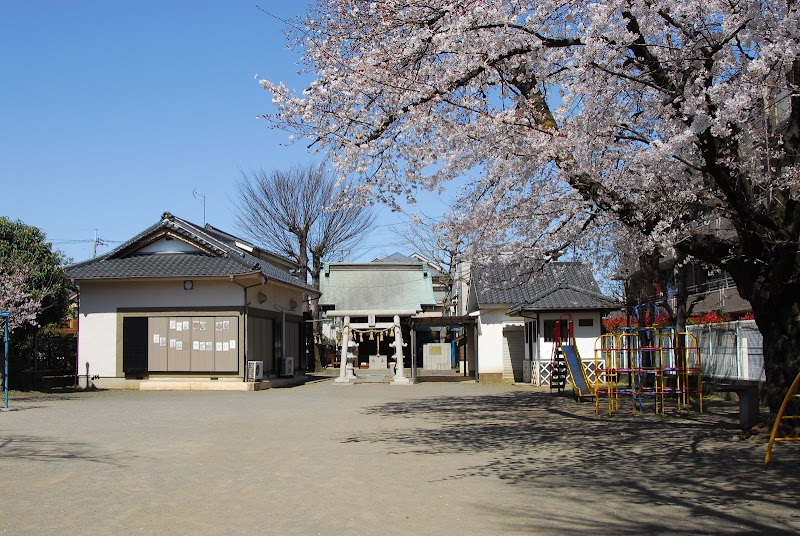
(113, 112)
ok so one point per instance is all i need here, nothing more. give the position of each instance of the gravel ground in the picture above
(437, 458)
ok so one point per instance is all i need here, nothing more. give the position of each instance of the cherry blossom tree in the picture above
(33, 286)
(678, 119)
(16, 296)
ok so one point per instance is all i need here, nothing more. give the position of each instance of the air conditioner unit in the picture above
(255, 371)
(287, 368)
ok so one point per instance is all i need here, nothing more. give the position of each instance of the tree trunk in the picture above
(681, 297)
(681, 293)
(767, 275)
(778, 320)
(316, 269)
(773, 291)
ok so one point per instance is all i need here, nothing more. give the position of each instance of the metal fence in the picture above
(730, 351)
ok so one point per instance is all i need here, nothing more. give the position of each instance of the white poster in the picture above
(202, 326)
(195, 345)
(219, 347)
(225, 347)
(202, 347)
(195, 325)
(226, 324)
(171, 324)
(219, 326)
(179, 345)
(179, 326)
(156, 338)
(172, 343)
(233, 344)
(162, 341)
(185, 325)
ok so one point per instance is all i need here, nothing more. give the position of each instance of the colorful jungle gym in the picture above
(645, 362)
(790, 410)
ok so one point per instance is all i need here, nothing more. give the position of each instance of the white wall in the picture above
(99, 301)
(173, 245)
(490, 337)
(584, 336)
(103, 297)
(97, 343)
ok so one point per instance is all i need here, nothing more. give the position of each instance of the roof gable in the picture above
(389, 288)
(199, 252)
(169, 244)
(433, 268)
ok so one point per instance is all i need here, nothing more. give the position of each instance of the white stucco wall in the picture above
(490, 338)
(584, 335)
(494, 320)
(99, 301)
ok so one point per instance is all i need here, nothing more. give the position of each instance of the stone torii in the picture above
(399, 375)
(346, 372)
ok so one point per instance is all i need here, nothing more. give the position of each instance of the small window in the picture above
(586, 322)
(549, 329)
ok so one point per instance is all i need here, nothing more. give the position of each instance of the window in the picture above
(586, 322)
(549, 328)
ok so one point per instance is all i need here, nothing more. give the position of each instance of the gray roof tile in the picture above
(161, 265)
(557, 286)
(224, 259)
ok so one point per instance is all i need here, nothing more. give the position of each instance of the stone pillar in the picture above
(399, 377)
(345, 370)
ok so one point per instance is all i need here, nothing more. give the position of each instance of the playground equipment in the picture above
(567, 361)
(792, 394)
(558, 366)
(653, 362)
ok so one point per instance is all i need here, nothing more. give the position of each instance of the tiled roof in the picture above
(557, 286)
(566, 297)
(161, 265)
(376, 287)
(221, 259)
(397, 257)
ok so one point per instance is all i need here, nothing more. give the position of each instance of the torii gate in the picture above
(346, 372)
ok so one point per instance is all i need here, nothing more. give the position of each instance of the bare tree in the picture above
(300, 213)
(444, 244)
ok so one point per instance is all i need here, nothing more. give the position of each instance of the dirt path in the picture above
(439, 459)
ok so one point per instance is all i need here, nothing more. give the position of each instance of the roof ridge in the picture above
(583, 290)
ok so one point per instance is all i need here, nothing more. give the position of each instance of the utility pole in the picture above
(96, 242)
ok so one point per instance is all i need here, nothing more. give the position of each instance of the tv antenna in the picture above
(197, 194)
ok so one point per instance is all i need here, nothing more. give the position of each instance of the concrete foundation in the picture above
(178, 383)
(202, 385)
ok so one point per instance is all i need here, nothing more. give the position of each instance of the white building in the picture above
(184, 306)
(517, 314)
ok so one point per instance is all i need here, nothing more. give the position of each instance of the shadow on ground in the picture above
(641, 474)
(45, 449)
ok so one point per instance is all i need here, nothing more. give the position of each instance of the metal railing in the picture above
(731, 350)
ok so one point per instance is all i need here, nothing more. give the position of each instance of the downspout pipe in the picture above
(246, 316)
(283, 336)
